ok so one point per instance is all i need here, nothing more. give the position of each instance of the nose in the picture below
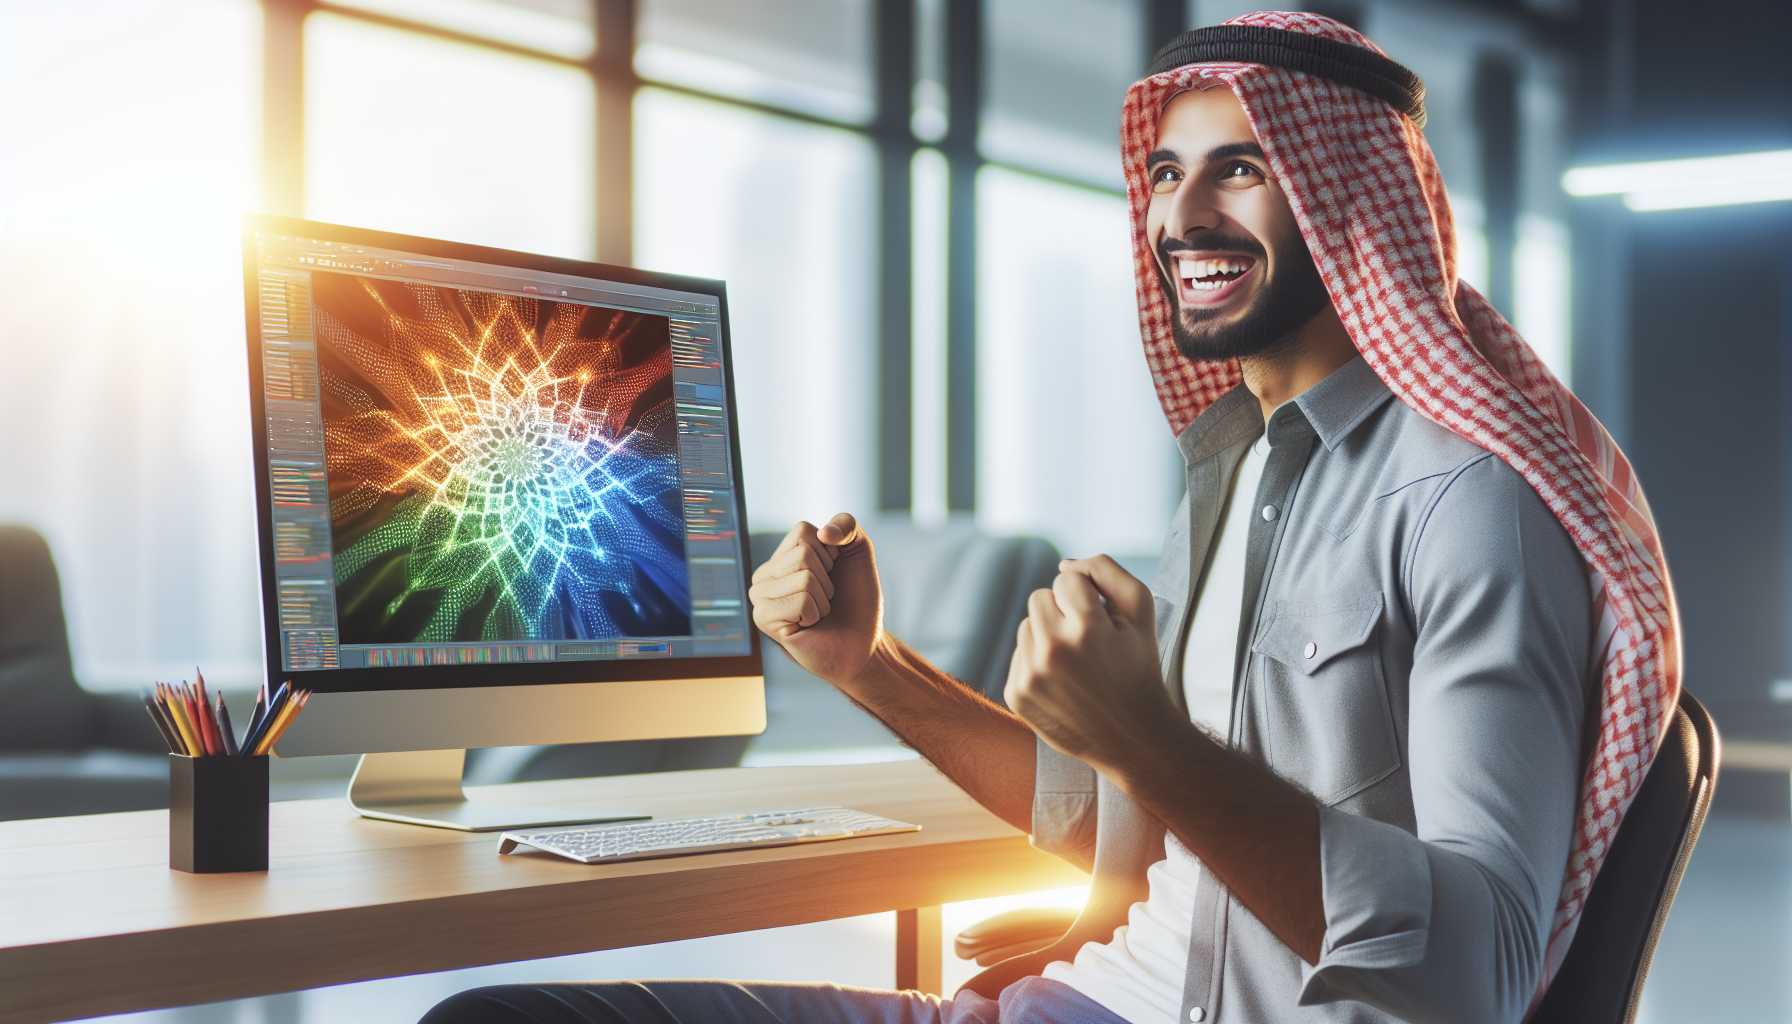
(1191, 209)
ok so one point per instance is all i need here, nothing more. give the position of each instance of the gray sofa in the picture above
(953, 592)
(62, 750)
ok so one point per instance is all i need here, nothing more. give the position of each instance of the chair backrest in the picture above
(46, 709)
(1601, 981)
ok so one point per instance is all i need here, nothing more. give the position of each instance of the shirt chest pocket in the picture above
(1323, 697)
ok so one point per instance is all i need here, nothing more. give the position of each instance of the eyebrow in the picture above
(1217, 153)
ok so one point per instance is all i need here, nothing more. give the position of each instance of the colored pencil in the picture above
(211, 713)
(298, 704)
(230, 746)
(161, 704)
(207, 738)
(255, 714)
(177, 711)
(186, 714)
(275, 705)
(211, 707)
(279, 723)
(149, 705)
(163, 724)
(194, 722)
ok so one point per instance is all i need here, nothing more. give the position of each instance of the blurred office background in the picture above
(917, 208)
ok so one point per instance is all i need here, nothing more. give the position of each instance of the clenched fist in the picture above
(819, 597)
(1085, 673)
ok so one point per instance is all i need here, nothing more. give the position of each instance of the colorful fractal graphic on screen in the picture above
(500, 468)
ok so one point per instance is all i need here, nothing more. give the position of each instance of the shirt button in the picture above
(1196, 1014)
(1269, 513)
(1310, 650)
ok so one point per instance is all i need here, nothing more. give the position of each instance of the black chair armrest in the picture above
(997, 938)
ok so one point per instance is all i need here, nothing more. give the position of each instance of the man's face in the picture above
(1229, 254)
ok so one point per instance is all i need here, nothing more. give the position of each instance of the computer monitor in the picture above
(500, 503)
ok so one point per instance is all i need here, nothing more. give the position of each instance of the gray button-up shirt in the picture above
(1415, 651)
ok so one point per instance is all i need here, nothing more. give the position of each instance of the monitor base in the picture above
(423, 787)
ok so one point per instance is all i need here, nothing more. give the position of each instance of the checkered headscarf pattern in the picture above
(1366, 192)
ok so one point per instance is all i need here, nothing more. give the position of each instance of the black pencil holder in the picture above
(217, 813)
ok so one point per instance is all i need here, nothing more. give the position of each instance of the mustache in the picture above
(1209, 242)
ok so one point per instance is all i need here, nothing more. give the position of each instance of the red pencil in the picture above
(211, 713)
(203, 720)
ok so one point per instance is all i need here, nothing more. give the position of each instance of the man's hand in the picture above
(819, 597)
(1085, 673)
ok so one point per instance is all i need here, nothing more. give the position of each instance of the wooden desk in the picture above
(92, 921)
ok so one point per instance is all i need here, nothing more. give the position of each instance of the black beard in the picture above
(1286, 301)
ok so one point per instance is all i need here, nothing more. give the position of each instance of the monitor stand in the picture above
(423, 787)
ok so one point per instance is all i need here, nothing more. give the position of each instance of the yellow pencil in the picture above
(302, 698)
(179, 714)
(272, 732)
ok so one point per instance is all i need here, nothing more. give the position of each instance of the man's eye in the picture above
(1240, 172)
(1164, 179)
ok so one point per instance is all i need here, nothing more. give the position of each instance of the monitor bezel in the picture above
(364, 680)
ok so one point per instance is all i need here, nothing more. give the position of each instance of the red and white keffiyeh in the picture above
(1366, 192)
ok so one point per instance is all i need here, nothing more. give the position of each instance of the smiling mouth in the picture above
(1210, 280)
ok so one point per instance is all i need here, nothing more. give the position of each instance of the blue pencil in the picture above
(255, 715)
(268, 715)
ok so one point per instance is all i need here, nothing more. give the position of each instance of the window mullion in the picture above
(895, 81)
(613, 78)
(964, 89)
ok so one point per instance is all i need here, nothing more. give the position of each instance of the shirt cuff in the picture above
(1063, 803)
(1376, 882)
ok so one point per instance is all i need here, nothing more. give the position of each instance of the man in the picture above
(1356, 752)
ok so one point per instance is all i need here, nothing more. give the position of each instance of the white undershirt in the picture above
(1139, 974)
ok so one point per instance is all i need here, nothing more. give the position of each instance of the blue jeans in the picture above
(1028, 1001)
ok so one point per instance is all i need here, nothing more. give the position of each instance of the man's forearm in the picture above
(979, 745)
(1257, 833)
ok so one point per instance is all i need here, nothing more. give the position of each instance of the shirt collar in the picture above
(1234, 418)
(1332, 409)
(1340, 403)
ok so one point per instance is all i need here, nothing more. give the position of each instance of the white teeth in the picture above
(1189, 269)
(1192, 269)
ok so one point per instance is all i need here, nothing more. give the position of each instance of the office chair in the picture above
(1602, 978)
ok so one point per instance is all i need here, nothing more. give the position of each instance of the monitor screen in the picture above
(476, 459)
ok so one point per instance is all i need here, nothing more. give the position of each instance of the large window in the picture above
(1071, 440)
(813, 56)
(411, 133)
(128, 156)
(782, 211)
(733, 140)
(1056, 73)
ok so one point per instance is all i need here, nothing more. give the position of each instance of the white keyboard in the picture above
(639, 840)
